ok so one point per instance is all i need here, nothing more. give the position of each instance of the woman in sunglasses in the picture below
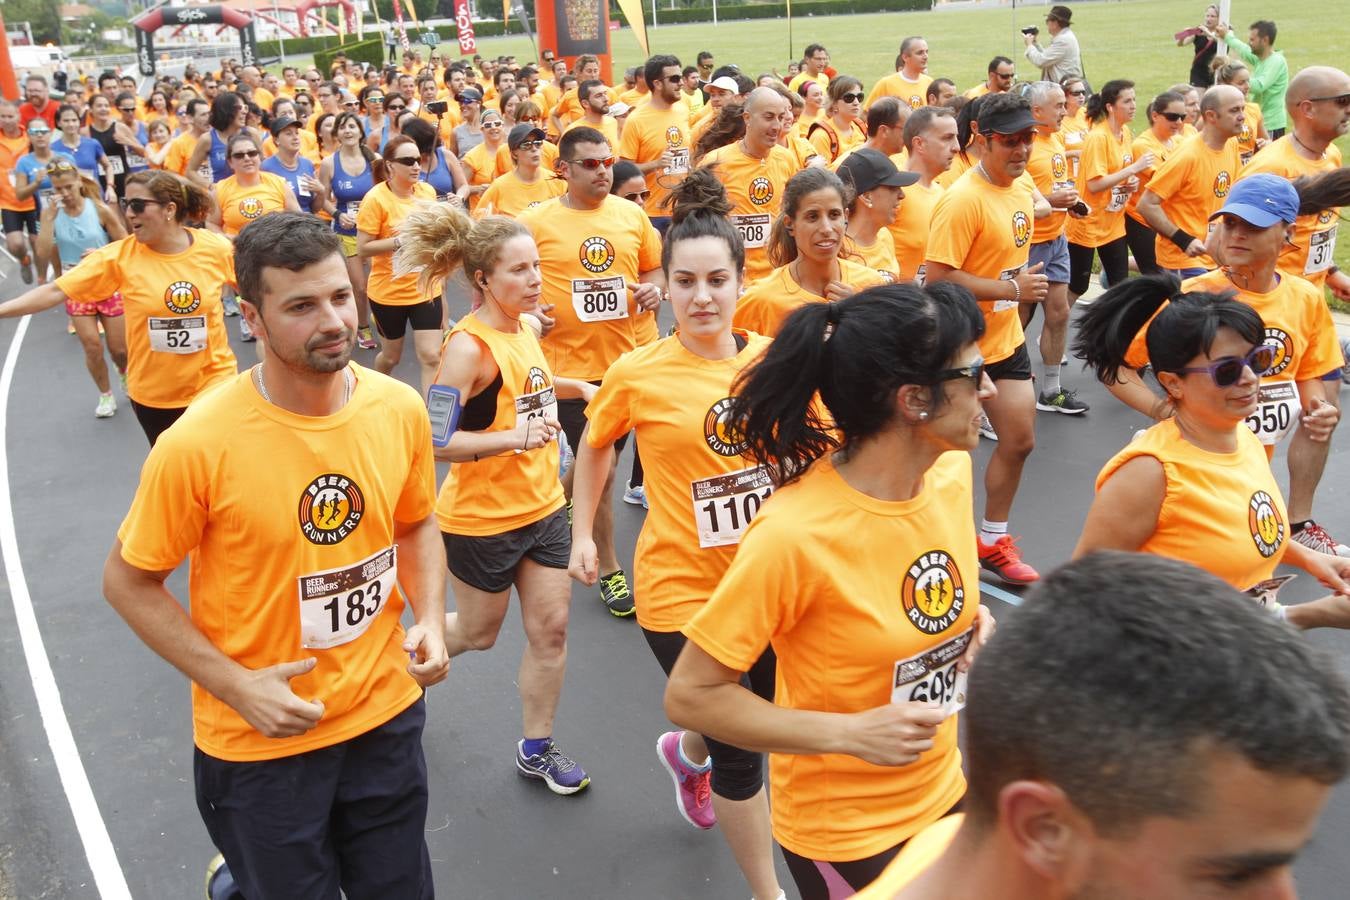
(871, 515)
(1167, 118)
(1197, 486)
(170, 278)
(398, 301)
(378, 122)
(250, 192)
(347, 175)
(839, 129)
(1075, 126)
(470, 133)
(480, 163)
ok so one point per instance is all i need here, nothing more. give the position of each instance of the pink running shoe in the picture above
(693, 791)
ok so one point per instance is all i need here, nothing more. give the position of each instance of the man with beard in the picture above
(595, 102)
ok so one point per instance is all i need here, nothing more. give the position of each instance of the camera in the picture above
(439, 107)
(1080, 209)
(1031, 30)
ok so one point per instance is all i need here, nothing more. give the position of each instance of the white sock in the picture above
(1051, 379)
(705, 766)
(990, 532)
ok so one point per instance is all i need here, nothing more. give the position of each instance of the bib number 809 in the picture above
(599, 303)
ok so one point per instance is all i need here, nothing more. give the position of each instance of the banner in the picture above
(401, 31)
(580, 27)
(464, 25)
(523, 15)
(632, 11)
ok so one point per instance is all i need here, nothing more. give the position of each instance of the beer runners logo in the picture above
(330, 509)
(932, 593)
(535, 380)
(721, 433)
(1222, 182)
(916, 102)
(1265, 523)
(1284, 351)
(1325, 216)
(597, 254)
(761, 191)
(1059, 169)
(250, 207)
(674, 137)
(182, 297)
(1021, 224)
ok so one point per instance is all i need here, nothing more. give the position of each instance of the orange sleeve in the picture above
(1322, 353)
(418, 498)
(951, 235)
(372, 215)
(610, 414)
(96, 277)
(649, 253)
(172, 502)
(1095, 161)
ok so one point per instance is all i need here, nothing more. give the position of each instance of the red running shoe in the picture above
(1004, 559)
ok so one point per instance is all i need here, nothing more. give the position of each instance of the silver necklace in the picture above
(346, 385)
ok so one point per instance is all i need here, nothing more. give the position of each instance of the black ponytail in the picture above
(1185, 327)
(1324, 192)
(855, 353)
(1110, 93)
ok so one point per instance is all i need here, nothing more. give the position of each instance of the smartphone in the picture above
(438, 107)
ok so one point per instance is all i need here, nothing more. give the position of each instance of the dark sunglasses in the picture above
(852, 98)
(675, 79)
(1005, 74)
(974, 371)
(593, 164)
(409, 161)
(1011, 140)
(493, 124)
(244, 154)
(1172, 117)
(638, 196)
(127, 109)
(1341, 100)
(1227, 371)
(396, 107)
(374, 99)
(1077, 93)
(137, 204)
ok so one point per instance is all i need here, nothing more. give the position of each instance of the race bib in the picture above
(921, 273)
(753, 229)
(1321, 248)
(136, 161)
(600, 299)
(337, 606)
(932, 677)
(725, 504)
(116, 166)
(47, 196)
(352, 207)
(88, 173)
(1007, 275)
(204, 170)
(301, 190)
(180, 334)
(679, 164)
(542, 404)
(1277, 411)
(1120, 196)
(1266, 593)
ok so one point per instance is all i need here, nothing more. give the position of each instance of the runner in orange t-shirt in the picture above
(877, 186)
(525, 186)
(930, 145)
(170, 278)
(862, 578)
(1167, 115)
(656, 134)
(18, 215)
(302, 685)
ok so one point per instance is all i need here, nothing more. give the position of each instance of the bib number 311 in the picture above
(337, 606)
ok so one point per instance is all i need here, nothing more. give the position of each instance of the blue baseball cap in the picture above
(1261, 200)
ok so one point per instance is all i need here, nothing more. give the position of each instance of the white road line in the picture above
(98, 848)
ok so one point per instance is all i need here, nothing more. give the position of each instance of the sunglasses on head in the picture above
(1341, 100)
(852, 98)
(375, 99)
(1172, 117)
(974, 371)
(495, 123)
(638, 196)
(137, 204)
(244, 154)
(1227, 370)
(593, 164)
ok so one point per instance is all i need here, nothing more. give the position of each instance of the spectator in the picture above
(36, 103)
(1206, 44)
(1270, 72)
(1061, 59)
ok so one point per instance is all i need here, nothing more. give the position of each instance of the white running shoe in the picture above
(987, 428)
(107, 406)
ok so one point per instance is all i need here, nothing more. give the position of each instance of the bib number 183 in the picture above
(337, 606)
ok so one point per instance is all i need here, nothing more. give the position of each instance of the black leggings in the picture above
(1140, 239)
(635, 479)
(155, 421)
(1115, 257)
(736, 774)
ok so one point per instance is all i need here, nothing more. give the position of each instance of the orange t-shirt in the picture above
(703, 492)
(855, 594)
(1103, 154)
(240, 205)
(650, 132)
(180, 151)
(909, 229)
(1073, 130)
(380, 215)
(986, 230)
(1222, 512)
(1252, 120)
(500, 493)
(755, 188)
(768, 302)
(588, 259)
(879, 256)
(10, 151)
(1192, 184)
(609, 127)
(918, 854)
(510, 196)
(1148, 142)
(1049, 168)
(1312, 254)
(175, 322)
(913, 93)
(568, 107)
(325, 506)
(480, 167)
(961, 164)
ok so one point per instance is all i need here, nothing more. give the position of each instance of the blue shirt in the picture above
(86, 155)
(29, 164)
(309, 201)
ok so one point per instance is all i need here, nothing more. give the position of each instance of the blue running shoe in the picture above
(562, 775)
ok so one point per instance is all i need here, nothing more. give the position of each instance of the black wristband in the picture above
(1182, 239)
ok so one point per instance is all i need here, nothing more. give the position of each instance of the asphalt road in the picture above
(491, 834)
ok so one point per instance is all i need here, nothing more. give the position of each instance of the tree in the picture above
(42, 16)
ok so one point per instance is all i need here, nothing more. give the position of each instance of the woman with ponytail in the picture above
(1198, 486)
(702, 492)
(804, 247)
(1106, 179)
(877, 501)
(501, 508)
(170, 277)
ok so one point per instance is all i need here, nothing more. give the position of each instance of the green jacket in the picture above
(1270, 80)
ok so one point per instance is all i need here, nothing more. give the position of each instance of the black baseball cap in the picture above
(281, 123)
(470, 95)
(522, 133)
(1008, 121)
(868, 168)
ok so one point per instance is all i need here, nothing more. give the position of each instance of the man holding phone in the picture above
(1061, 59)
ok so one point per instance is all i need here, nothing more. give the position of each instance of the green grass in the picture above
(1130, 39)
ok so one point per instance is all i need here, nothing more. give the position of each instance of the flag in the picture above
(632, 11)
(464, 25)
